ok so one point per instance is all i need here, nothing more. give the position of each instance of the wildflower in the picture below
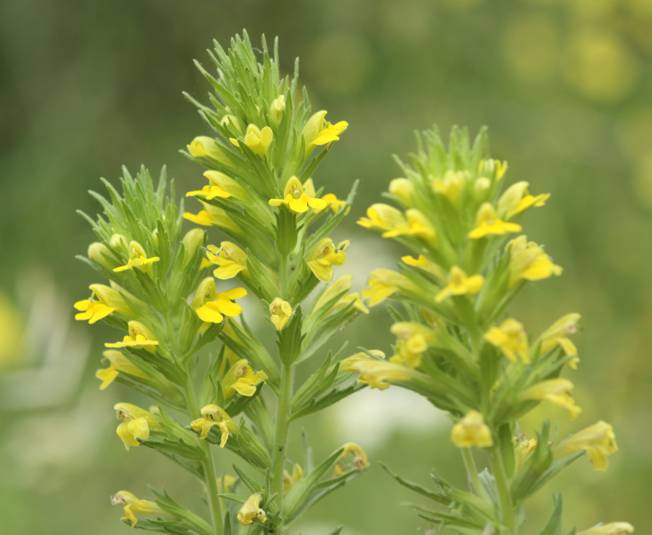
(257, 139)
(324, 256)
(299, 198)
(137, 258)
(118, 364)
(383, 217)
(613, 528)
(211, 306)
(280, 312)
(206, 147)
(213, 416)
(489, 224)
(135, 424)
(421, 262)
(242, 379)
(403, 190)
(220, 186)
(133, 506)
(336, 205)
(375, 372)
(101, 255)
(556, 391)
(412, 340)
(511, 339)
(415, 224)
(471, 432)
(459, 283)
(103, 302)
(353, 457)
(138, 336)
(251, 511)
(318, 131)
(276, 109)
(557, 336)
(230, 259)
(213, 216)
(451, 185)
(528, 261)
(289, 480)
(384, 283)
(597, 440)
(517, 199)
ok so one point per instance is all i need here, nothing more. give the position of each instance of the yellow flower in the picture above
(324, 256)
(118, 364)
(289, 480)
(229, 258)
(511, 339)
(136, 424)
(219, 186)
(471, 432)
(280, 312)
(137, 258)
(528, 261)
(403, 190)
(459, 283)
(597, 440)
(213, 216)
(211, 306)
(103, 302)
(451, 185)
(138, 336)
(412, 340)
(383, 217)
(421, 262)
(242, 378)
(299, 198)
(276, 109)
(257, 139)
(557, 391)
(557, 336)
(251, 511)
(375, 372)
(353, 457)
(335, 204)
(133, 505)
(318, 131)
(489, 224)
(415, 224)
(384, 283)
(213, 416)
(613, 528)
(517, 199)
(207, 147)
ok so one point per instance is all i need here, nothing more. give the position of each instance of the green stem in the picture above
(506, 505)
(472, 471)
(210, 480)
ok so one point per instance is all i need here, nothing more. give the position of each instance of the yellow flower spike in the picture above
(557, 336)
(324, 256)
(213, 216)
(412, 340)
(118, 364)
(353, 457)
(103, 302)
(242, 379)
(489, 224)
(416, 224)
(132, 506)
(251, 511)
(528, 261)
(597, 440)
(375, 372)
(299, 198)
(138, 336)
(451, 185)
(516, 199)
(421, 262)
(318, 131)
(403, 190)
(211, 306)
(613, 528)
(258, 140)
(276, 109)
(384, 283)
(289, 480)
(382, 217)
(280, 312)
(137, 258)
(471, 432)
(213, 416)
(459, 283)
(557, 391)
(230, 259)
(136, 424)
(510, 337)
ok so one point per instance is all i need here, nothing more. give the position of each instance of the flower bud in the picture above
(101, 255)
(276, 109)
(280, 312)
(192, 241)
(206, 147)
(403, 190)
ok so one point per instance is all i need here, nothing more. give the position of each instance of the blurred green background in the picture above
(566, 88)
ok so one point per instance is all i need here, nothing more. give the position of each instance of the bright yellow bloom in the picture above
(213, 416)
(299, 198)
(289, 480)
(257, 139)
(557, 391)
(459, 283)
(510, 337)
(136, 424)
(353, 457)
(229, 258)
(137, 258)
(211, 306)
(318, 131)
(276, 109)
(471, 432)
(451, 185)
(118, 364)
(103, 302)
(375, 372)
(280, 312)
(213, 216)
(488, 223)
(324, 256)
(557, 336)
(133, 505)
(517, 199)
(251, 511)
(412, 340)
(403, 190)
(597, 440)
(383, 217)
(219, 186)
(242, 379)
(384, 283)
(415, 224)
(207, 147)
(613, 528)
(528, 261)
(138, 336)
(335, 204)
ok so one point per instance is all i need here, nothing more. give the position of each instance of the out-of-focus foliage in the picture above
(565, 89)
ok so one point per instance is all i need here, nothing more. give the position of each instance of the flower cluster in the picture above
(457, 344)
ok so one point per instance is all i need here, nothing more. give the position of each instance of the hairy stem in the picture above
(506, 505)
(472, 471)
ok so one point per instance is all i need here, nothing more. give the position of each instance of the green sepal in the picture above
(286, 231)
(290, 339)
(554, 525)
